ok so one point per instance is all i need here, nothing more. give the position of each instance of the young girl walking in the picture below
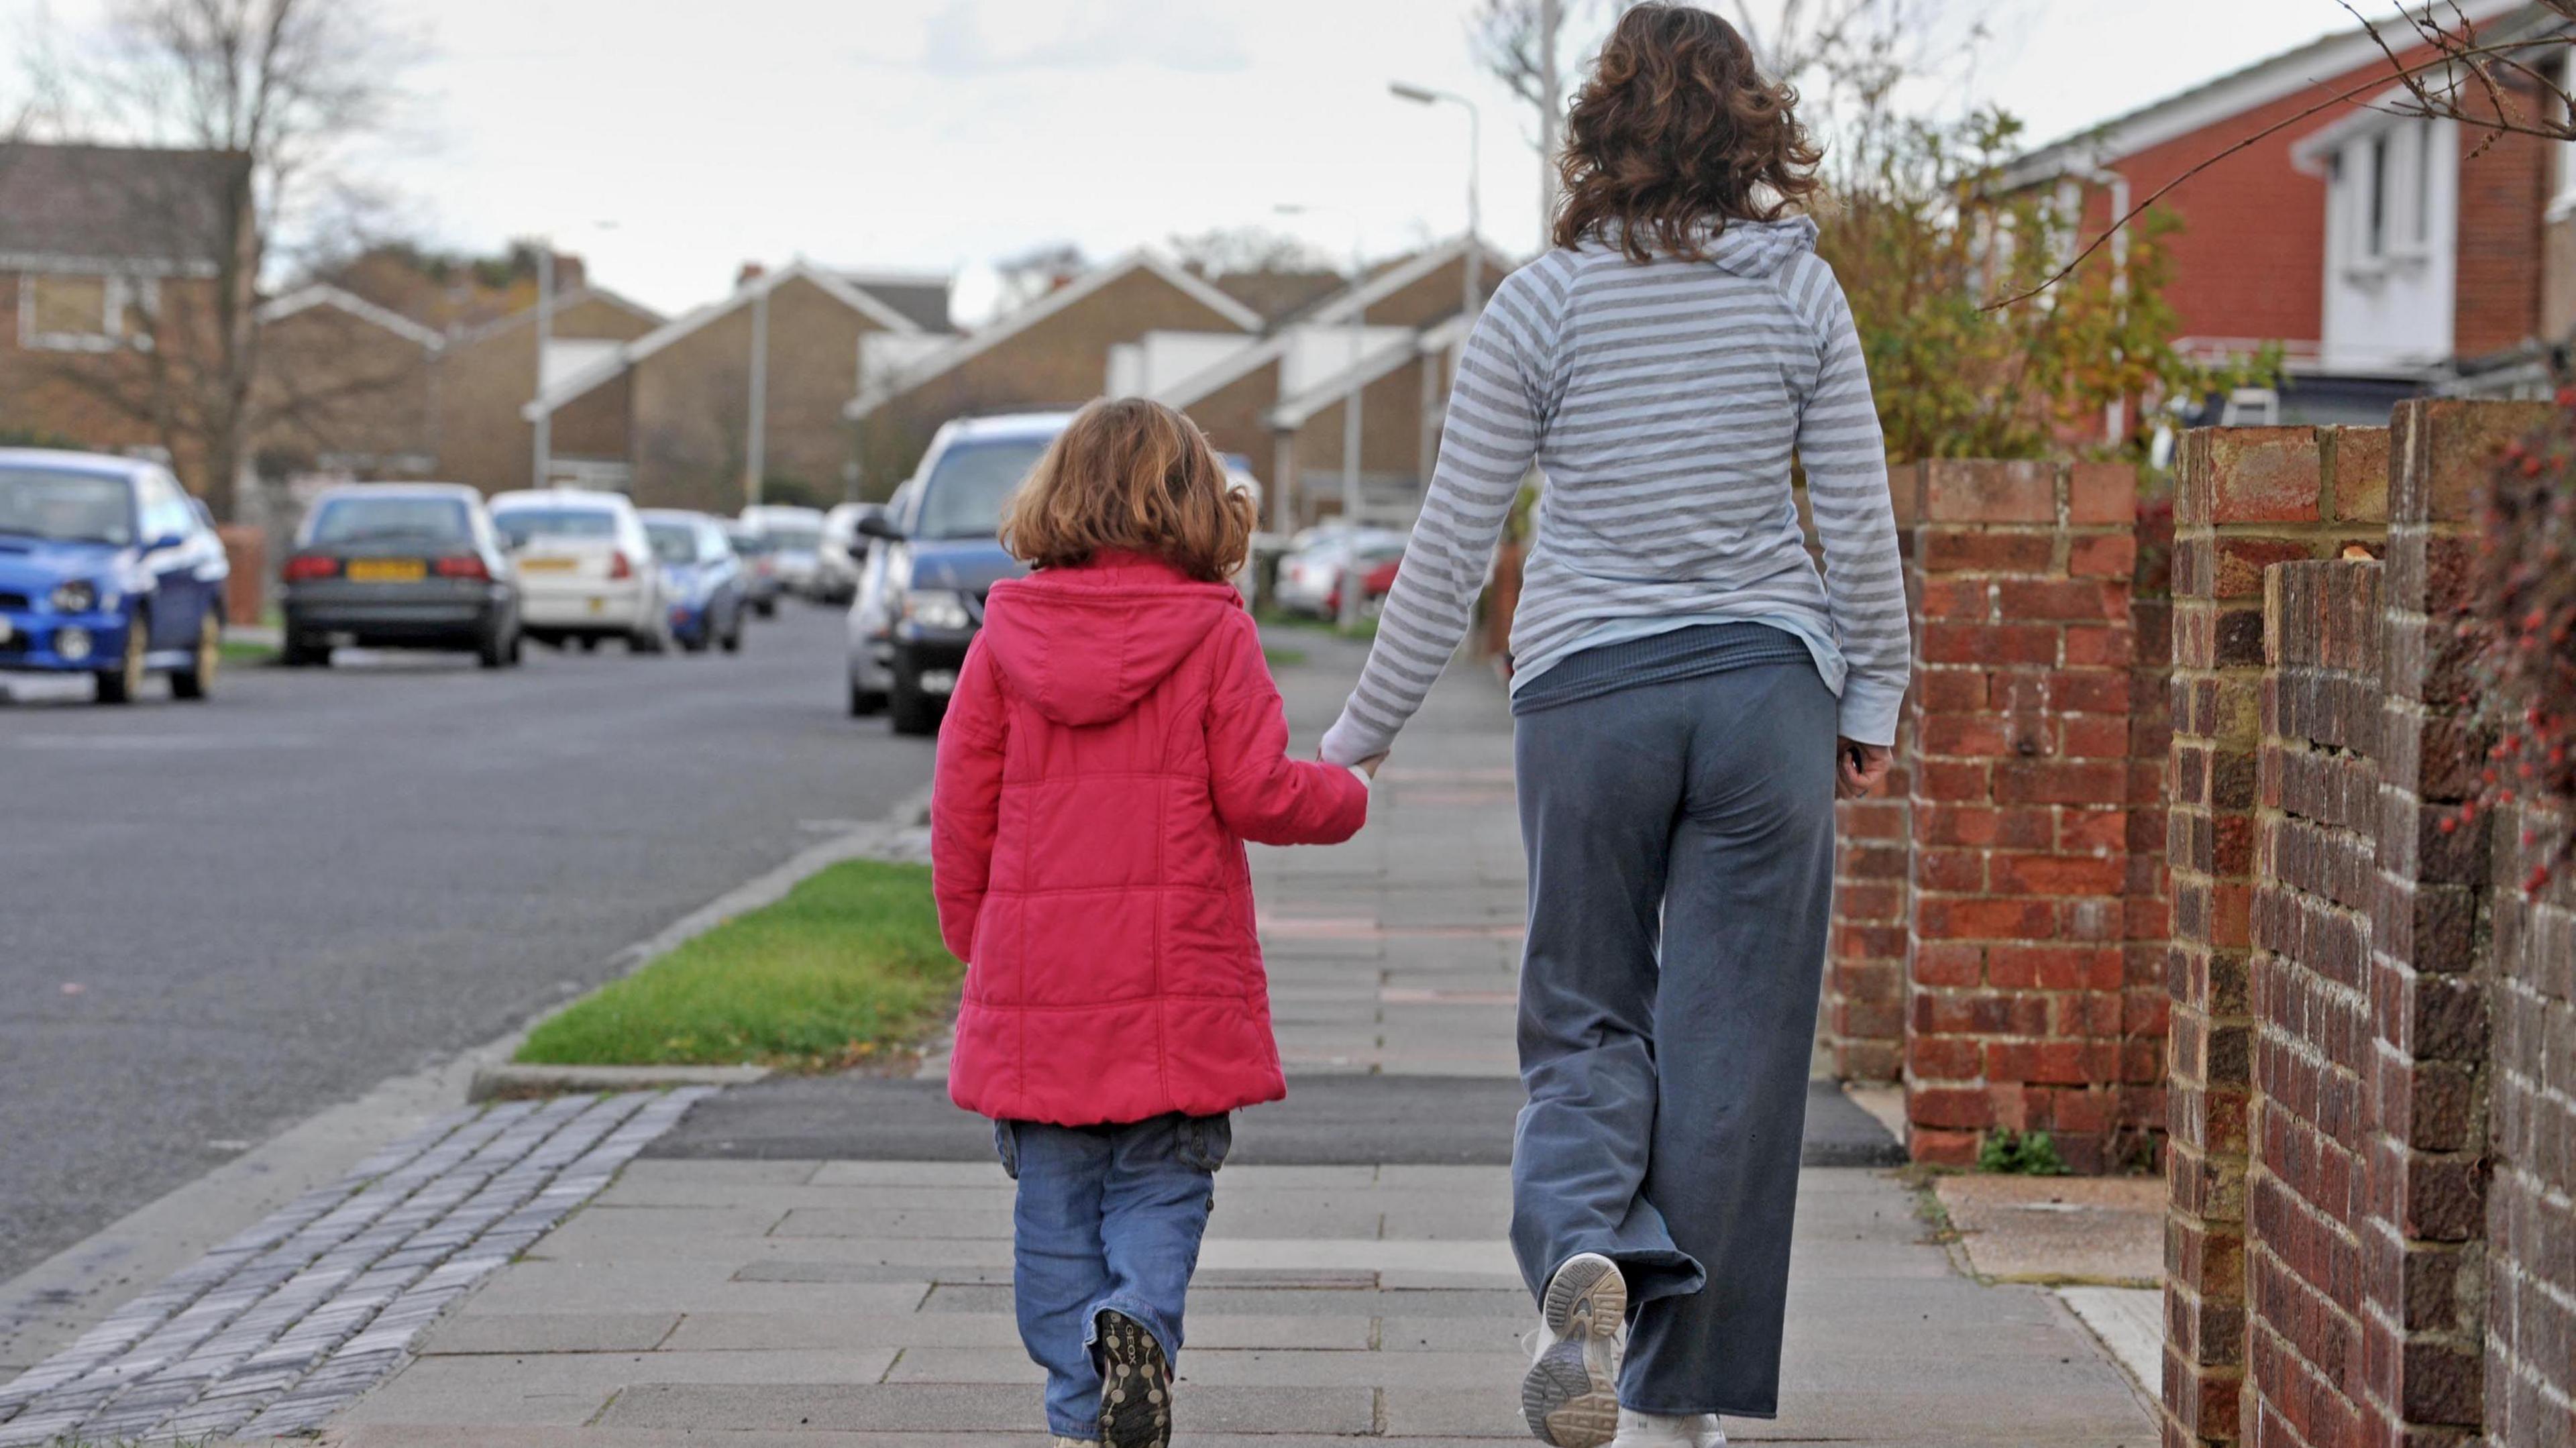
(1114, 739)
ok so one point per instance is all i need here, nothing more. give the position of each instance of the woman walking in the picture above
(1690, 697)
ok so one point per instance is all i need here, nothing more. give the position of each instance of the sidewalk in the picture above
(835, 1299)
(824, 1261)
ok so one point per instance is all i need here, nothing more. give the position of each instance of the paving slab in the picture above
(2107, 1231)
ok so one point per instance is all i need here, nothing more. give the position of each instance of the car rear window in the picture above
(673, 542)
(371, 520)
(964, 494)
(520, 525)
(794, 540)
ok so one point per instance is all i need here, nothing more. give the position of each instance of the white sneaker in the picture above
(1063, 1442)
(1571, 1394)
(1668, 1430)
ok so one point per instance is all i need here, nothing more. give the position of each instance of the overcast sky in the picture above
(668, 142)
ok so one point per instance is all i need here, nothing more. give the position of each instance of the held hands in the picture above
(1859, 769)
(1369, 765)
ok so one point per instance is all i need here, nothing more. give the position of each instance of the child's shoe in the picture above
(1668, 1430)
(1135, 1385)
(1571, 1393)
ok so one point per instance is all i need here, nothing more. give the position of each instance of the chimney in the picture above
(751, 271)
(570, 274)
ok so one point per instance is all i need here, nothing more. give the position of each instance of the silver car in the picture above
(871, 621)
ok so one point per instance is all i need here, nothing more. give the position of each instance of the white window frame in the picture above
(2562, 190)
(2385, 169)
(118, 297)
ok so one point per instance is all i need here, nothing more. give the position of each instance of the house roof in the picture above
(1002, 329)
(322, 294)
(2211, 102)
(106, 208)
(609, 365)
(921, 296)
(1373, 364)
(527, 316)
(1335, 308)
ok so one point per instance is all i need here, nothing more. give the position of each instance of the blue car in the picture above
(702, 579)
(107, 568)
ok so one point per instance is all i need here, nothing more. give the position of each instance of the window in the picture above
(166, 514)
(68, 312)
(2384, 195)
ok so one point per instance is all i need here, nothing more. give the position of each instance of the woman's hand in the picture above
(1369, 765)
(1859, 769)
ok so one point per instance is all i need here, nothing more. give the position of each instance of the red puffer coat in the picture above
(1114, 739)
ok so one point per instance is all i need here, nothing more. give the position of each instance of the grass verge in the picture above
(846, 966)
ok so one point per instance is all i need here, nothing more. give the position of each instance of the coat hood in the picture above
(1085, 645)
(1759, 248)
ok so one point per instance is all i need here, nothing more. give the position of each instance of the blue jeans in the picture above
(1109, 1219)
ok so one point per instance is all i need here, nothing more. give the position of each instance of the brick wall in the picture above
(2505, 183)
(2021, 1010)
(2245, 498)
(2315, 851)
(2530, 1368)
(2373, 1119)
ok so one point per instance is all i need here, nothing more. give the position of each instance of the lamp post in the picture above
(1471, 264)
(543, 462)
(1351, 431)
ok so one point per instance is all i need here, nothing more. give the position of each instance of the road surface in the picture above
(218, 919)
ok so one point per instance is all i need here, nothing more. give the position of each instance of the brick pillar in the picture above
(2244, 498)
(246, 590)
(2021, 725)
(2422, 1322)
(1864, 1004)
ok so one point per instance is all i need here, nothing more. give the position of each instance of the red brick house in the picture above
(669, 411)
(2389, 256)
(347, 389)
(113, 266)
(1053, 352)
(1278, 400)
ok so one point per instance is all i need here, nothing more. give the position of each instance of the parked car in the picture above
(843, 552)
(107, 568)
(1310, 574)
(759, 565)
(585, 568)
(942, 556)
(703, 581)
(400, 565)
(796, 535)
(871, 641)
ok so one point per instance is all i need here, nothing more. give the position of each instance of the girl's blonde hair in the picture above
(1131, 476)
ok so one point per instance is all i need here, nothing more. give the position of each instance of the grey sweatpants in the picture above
(1680, 839)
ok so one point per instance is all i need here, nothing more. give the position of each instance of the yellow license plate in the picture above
(547, 565)
(599, 605)
(387, 570)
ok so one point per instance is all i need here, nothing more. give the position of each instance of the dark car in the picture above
(107, 568)
(400, 565)
(942, 555)
(702, 580)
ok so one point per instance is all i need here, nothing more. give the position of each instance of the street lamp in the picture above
(1349, 610)
(545, 430)
(1471, 266)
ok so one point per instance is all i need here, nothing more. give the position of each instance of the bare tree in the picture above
(1031, 274)
(1231, 250)
(1528, 46)
(286, 88)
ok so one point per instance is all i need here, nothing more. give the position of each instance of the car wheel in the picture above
(198, 679)
(590, 643)
(909, 709)
(766, 608)
(119, 685)
(865, 701)
(733, 635)
(654, 640)
(305, 653)
(499, 645)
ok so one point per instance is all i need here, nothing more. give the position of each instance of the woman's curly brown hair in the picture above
(1676, 134)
